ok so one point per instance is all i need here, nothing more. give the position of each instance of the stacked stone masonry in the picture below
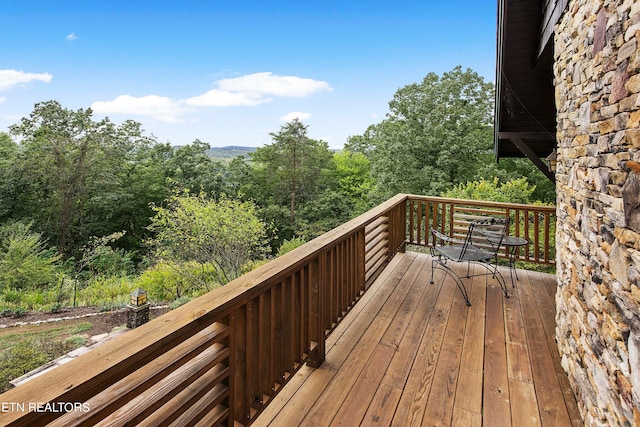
(597, 81)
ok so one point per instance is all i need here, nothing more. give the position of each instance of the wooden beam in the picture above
(527, 135)
(528, 152)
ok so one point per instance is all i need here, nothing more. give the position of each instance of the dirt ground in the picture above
(101, 322)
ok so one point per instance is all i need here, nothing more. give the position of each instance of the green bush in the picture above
(16, 361)
(289, 245)
(513, 191)
(101, 290)
(178, 302)
(108, 261)
(25, 261)
(167, 281)
(12, 296)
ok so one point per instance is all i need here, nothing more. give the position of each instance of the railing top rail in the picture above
(484, 203)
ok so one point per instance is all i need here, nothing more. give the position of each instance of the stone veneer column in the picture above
(597, 80)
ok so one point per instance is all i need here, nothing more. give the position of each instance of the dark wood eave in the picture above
(525, 115)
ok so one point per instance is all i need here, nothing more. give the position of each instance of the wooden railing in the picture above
(220, 359)
(534, 223)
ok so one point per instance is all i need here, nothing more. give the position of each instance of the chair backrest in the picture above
(482, 241)
(488, 233)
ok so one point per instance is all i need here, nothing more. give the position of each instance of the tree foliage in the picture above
(225, 233)
(290, 175)
(70, 171)
(25, 260)
(291, 168)
(513, 191)
(437, 133)
(77, 181)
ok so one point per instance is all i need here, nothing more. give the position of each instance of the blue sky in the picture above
(231, 72)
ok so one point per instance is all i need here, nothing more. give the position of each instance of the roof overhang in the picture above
(525, 115)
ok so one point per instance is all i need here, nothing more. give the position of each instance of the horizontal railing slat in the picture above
(189, 403)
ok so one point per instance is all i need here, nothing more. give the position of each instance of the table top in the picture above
(511, 240)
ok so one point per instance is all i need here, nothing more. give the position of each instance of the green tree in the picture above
(71, 171)
(292, 167)
(224, 233)
(352, 180)
(287, 179)
(241, 180)
(437, 133)
(59, 147)
(347, 193)
(8, 196)
(511, 169)
(139, 181)
(193, 168)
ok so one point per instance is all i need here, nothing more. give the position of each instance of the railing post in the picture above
(231, 342)
(318, 286)
(401, 227)
(360, 259)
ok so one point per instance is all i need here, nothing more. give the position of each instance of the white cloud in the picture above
(224, 98)
(245, 91)
(71, 37)
(159, 107)
(295, 115)
(12, 78)
(2, 99)
(269, 84)
(255, 89)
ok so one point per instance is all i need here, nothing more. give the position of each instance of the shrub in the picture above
(12, 296)
(108, 261)
(25, 261)
(289, 245)
(101, 290)
(513, 191)
(168, 281)
(21, 358)
(223, 233)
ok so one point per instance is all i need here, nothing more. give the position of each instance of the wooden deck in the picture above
(413, 354)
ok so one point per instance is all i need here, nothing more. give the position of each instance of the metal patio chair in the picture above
(480, 246)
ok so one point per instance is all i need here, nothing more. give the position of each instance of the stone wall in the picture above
(597, 79)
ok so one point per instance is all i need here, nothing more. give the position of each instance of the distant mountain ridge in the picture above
(230, 151)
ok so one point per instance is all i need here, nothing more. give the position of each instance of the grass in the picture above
(48, 334)
(23, 351)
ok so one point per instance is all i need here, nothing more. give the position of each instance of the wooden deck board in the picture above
(412, 353)
(496, 411)
(415, 394)
(469, 397)
(553, 411)
(439, 410)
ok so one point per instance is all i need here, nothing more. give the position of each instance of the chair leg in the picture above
(463, 291)
(503, 285)
(433, 261)
(454, 276)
